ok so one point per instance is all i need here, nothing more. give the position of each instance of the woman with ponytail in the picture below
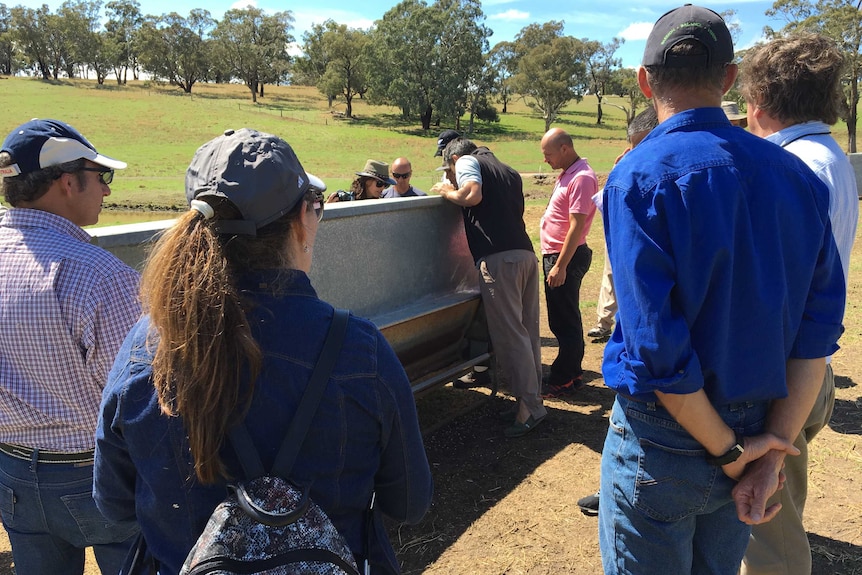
(231, 331)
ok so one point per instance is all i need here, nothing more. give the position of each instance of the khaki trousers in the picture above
(510, 293)
(606, 308)
(780, 547)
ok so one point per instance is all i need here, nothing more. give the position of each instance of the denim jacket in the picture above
(364, 436)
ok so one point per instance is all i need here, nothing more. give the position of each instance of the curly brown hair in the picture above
(795, 79)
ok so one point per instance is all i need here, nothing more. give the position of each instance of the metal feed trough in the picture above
(402, 263)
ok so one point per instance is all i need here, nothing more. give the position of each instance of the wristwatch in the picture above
(731, 455)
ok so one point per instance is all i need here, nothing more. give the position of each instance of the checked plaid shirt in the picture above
(65, 308)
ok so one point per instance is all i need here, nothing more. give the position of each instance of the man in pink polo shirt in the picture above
(566, 257)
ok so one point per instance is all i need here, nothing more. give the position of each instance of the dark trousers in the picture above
(564, 315)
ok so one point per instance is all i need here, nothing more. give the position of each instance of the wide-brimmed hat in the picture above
(731, 110)
(257, 172)
(40, 144)
(377, 170)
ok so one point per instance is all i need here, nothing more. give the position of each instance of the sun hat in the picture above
(259, 173)
(688, 22)
(731, 110)
(377, 170)
(446, 136)
(40, 144)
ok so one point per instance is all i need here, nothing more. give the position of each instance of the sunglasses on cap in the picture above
(404, 176)
(105, 176)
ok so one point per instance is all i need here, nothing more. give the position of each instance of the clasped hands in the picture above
(759, 472)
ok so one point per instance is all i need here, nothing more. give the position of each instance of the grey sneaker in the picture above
(600, 332)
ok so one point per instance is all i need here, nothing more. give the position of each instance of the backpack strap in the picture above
(311, 398)
(240, 438)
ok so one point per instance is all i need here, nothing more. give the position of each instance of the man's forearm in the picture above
(697, 415)
(787, 415)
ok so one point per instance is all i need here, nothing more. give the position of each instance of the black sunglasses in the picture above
(105, 176)
(398, 176)
(379, 184)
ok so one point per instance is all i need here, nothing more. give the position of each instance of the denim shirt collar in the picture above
(700, 118)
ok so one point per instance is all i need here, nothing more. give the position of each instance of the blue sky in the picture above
(598, 20)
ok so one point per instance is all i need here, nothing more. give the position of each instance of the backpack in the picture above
(267, 524)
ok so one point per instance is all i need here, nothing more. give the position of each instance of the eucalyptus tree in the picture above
(309, 68)
(75, 19)
(124, 19)
(346, 70)
(7, 47)
(423, 57)
(601, 63)
(29, 34)
(552, 75)
(172, 49)
(503, 60)
(624, 82)
(253, 45)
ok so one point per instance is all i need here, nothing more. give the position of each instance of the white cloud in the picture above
(510, 15)
(636, 31)
(240, 4)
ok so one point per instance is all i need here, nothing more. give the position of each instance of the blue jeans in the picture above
(50, 516)
(663, 508)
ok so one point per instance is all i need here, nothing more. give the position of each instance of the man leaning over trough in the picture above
(793, 91)
(731, 295)
(65, 308)
(566, 257)
(491, 197)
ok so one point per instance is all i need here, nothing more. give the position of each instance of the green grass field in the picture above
(156, 129)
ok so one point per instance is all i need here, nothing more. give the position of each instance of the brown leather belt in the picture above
(42, 456)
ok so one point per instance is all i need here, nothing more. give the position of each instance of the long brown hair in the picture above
(204, 349)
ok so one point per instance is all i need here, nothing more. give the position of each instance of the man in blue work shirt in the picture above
(731, 295)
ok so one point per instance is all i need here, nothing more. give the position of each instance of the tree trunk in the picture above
(598, 109)
(426, 117)
(852, 115)
(548, 122)
(260, 89)
(349, 111)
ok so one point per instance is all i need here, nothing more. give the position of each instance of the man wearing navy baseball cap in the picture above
(731, 294)
(65, 308)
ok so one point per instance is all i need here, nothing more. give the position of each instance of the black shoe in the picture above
(590, 504)
(473, 379)
(522, 429)
(567, 388)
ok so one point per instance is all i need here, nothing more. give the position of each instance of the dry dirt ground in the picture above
(508, 506)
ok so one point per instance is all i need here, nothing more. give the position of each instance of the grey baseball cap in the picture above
(259, 173)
